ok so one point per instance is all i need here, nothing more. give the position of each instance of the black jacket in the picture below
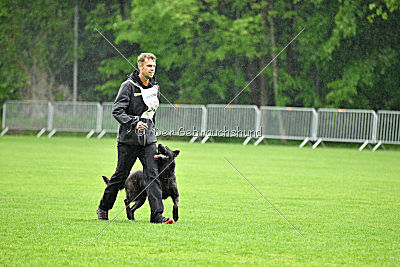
(127, 109)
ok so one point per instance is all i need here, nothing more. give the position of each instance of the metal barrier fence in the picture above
(76, 117)
(232, 121)
(26, 115)
(181, 120)
(388, 128)
(341, 125)
(178, 120)
(288, 123)
(108, 123)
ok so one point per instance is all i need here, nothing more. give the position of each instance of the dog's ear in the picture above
(176, 152)
(106, 180)
(161, 148)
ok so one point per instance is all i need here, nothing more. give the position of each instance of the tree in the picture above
(35, 40)
(208, 50)
(366, 55)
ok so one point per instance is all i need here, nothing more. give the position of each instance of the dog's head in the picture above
(165, 153)
(166, 161)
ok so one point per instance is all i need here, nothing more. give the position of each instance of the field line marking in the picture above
(272, 205)
(130, 63)
(132, 201)
(265, 67)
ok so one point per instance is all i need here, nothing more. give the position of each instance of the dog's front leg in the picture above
(175, 215)
(129, 213)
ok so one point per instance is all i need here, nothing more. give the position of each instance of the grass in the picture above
(345, 202)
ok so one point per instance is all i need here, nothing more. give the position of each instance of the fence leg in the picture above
(52, 133)
(363, 146)
(205, 139)
(304, 142)
(317, 143)
(90, 134)
(377, 146)
(258, 141)
(193, 139)
(41, 132)
(4, 131)
(247, 140)
(101, 134)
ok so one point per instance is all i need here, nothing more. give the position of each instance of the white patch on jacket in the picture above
(150, 99)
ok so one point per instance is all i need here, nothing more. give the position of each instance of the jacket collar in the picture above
(134, 76)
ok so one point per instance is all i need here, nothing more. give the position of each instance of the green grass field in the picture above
(345, 202)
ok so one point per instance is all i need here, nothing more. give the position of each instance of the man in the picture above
(134, 109)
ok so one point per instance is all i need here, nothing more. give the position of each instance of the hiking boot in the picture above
(164, 220)
(102, 215)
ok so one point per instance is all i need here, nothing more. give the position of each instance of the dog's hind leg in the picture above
(138, 203)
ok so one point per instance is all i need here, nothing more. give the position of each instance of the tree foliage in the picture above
(34, 48)
(209, 50)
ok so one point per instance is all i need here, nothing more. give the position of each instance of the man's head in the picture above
(147, 64)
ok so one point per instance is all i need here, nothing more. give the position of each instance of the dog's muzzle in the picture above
(160, 156)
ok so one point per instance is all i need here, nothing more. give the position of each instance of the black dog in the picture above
(135, 183)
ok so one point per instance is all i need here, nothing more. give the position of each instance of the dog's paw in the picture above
(175, 213)
(130, 216)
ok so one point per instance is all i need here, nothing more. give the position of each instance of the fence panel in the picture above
(288, 123)
(341, 125)
(109, 124)
(181, 120)
(388, 130)
(232, 121)
(76, 116)
(26, 115)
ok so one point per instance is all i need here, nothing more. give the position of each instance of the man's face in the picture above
(148, 68)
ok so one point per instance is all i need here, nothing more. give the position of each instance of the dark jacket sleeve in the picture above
(121, 104)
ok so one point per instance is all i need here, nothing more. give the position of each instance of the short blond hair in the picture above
(143, 56)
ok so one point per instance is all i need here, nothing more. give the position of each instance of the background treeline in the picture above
(348, 55)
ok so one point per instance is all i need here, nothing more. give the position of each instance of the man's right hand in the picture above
(141, 126)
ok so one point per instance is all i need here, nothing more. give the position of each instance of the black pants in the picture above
(127, 155)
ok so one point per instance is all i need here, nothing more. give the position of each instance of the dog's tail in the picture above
(106, 180)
